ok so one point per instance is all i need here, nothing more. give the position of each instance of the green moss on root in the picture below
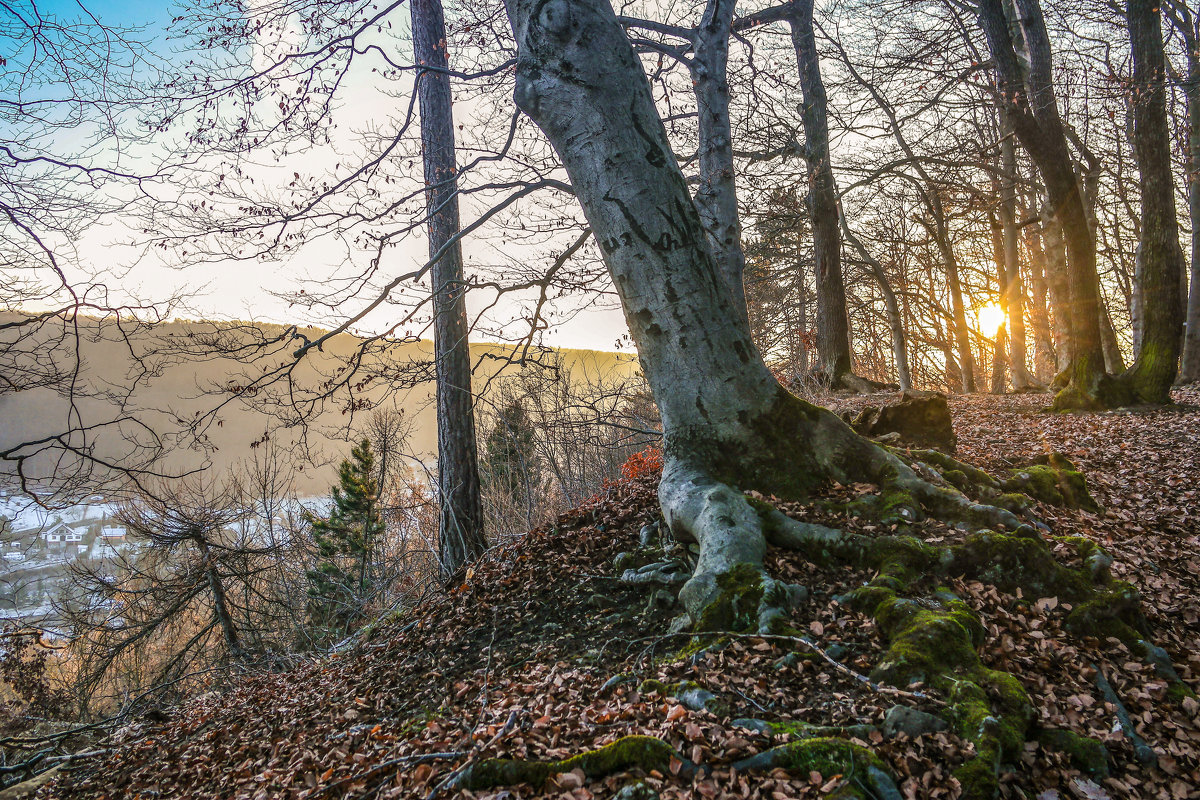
(865, 774)
(631, 752)
(1056, 482)
(1087, 755)
(737, 604)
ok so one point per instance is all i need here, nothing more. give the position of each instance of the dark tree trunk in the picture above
(461, 531)
(833, 321)
(1187, 24)
(1032, 106)
(216, 588)
(1161, 259)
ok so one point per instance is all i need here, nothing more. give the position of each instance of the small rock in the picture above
(679, 624)
(661, 598)
(648, 534)
(639, 790)
(615, 681)
(837, 651)
(911, 722)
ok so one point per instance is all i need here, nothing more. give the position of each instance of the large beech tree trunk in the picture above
(728, 426)
(461, 537)
(1160, 257)
(1032, 107)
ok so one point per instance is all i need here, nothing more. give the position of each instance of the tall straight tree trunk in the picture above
(958, 307)
(1039, 315)
(461, 536)
(833, 319)
(1059, 290)
(716, 197)
(1161, 272)
(1014, 290)
(1000, 342)
(1187, 25)
(1032, 106)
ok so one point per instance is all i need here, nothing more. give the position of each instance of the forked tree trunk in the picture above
(728, 426)
(1029, 96)
(891, 308)
(1161, 271)
(461, 537)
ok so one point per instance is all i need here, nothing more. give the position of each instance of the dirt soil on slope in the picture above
(518, 661)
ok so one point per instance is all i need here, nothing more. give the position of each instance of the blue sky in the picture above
(114, 12)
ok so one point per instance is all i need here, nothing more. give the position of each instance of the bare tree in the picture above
(1161, 264)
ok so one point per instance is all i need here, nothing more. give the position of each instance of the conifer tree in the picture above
(346, 540)
(510, 454)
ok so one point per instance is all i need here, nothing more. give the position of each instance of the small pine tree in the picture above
(510, 454)
(346, 541)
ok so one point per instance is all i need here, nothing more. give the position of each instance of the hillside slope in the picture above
(173, 375)
(520, 662)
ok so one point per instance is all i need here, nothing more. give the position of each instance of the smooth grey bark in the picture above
(1187, 24)
(1161, 259)
(716, 197)
(1000, 343)
(1029, 97)
(461, 535)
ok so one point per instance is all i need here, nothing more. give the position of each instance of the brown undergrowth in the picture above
(543, 655)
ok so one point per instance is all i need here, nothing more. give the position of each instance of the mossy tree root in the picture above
(631, 752)
(865, 775)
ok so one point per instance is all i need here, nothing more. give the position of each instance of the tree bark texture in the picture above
(716, 197)
(461, 536)
(833, 320)
(1161, 258)
(1187, 24)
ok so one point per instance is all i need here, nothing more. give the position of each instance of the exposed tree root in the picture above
(631, 752)
(864, 774)
(934, 639)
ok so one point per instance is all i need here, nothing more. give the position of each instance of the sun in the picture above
(988, 319)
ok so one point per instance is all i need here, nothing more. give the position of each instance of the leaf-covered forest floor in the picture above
(519, 661)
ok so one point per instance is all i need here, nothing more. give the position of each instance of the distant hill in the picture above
(183, 385)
